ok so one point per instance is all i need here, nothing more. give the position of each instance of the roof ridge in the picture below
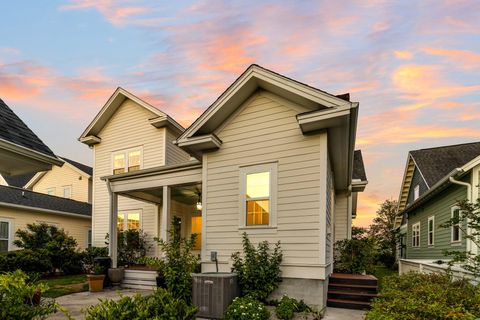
(447, 146)
(44, 194)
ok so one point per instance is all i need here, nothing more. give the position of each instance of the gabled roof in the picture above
(436, 163)
(159, 119)
(82, 167)
(22, 150)
(19, 181)
(26, 199)
(358, 166)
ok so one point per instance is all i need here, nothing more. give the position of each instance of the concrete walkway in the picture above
(343, 314)
(76, 302)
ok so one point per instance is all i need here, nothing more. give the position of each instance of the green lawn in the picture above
(381, 272)
(62, 285)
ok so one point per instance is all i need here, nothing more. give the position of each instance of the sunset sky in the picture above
(414, 66)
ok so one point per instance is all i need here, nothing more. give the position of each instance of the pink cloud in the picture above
(465, 59)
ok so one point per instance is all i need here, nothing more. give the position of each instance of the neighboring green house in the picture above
(435, 180)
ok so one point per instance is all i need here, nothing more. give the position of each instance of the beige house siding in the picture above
(76, 227)
(174, 153)
(60, 177)
(341, 216)
(128, 128)
(264, 129)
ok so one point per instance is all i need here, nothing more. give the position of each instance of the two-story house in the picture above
(271, 157)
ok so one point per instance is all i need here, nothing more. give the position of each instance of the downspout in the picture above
(112, 241)
(469, 198)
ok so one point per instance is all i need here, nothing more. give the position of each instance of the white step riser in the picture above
(139, 279)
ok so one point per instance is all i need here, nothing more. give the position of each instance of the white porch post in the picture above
(112, 232)
(165, 212)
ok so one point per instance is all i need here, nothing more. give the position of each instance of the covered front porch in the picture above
(176, 190)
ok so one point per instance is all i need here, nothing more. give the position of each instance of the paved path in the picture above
(343, 314)
(75, 302)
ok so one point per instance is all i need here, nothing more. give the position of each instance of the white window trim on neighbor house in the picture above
(459, 240)
(416, 192)
(125, 217)
(89, 239)
(258, 168)
(69, 188)
(10, 232)
(431, 231)
(125, 153)
(51, 191)
(416, 235)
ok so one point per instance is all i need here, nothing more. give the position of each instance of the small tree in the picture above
(468, 219)
(179, 262)
(384, 232)
(355, 255)
(259, 269)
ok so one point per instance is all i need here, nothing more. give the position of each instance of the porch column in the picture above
(165, 212)
(112, 230)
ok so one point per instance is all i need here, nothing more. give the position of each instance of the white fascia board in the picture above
(30, 153)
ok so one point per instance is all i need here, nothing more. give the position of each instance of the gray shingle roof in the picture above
(79, 165)
(14, 130)
(19, 181)
(358, 166)
(32, 199)
(436, 163)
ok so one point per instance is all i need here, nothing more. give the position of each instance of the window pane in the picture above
(119, 163)
(89, 238)
(133, 221)
(258, 212)
(197, 228)
(430, 225)
(3, 230)
(134, 161)
(67, 192)
(3, 245)
(120, 222)
(258, 185)
(456, 233)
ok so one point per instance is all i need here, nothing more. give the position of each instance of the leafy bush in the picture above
(54, 243)
(132, 245)
(89, 255)
(246, 308)
(258, 270)
(179, 262)
(356, 255)
(287, 307)
(17, 298)
(426, 296)
(159, 305)
(26, 260)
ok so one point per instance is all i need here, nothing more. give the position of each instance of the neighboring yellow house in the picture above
(60, 197)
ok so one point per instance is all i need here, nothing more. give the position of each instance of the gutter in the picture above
(18, 206)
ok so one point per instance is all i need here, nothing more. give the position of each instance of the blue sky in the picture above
(412, 65)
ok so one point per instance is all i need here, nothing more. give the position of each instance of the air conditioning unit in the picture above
(213, 292)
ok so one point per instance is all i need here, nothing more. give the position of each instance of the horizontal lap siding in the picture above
(174, 153)
(263, 131)
(440, 207)
(129, 127)
(341, 216)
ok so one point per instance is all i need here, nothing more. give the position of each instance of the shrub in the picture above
(17, 298)
(426, 296)
(26, 260)
(132, 245)
(179, 262)
(89, 255)
(54, 243)
(159, 305)
(258, 270)
(287, 307)
(356, 255)
(246, 308)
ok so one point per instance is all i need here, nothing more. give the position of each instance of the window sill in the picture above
(456, 243)
(257, 229)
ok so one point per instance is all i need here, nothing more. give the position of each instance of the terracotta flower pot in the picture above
(116, 275)
(95, 282)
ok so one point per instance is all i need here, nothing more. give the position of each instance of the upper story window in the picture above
(416, 235)
(51, 191)
(455, 228)
(128, 220)
(67, 192)
(258, 195)
(416, 192)
(127, 160)
(431, 230)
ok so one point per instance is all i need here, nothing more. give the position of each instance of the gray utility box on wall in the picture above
(213, 292)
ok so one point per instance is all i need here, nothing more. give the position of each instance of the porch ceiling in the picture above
(188, 194)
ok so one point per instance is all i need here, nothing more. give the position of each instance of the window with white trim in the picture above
(89, 238)
(67, 192)
(431, 230)
(5, 235)
(127, 160)
(455, 228)
(258, 195)
(51, 191)
(416, 192)
(129, 220)
(416, 235)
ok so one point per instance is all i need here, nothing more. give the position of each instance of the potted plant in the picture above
(116, 275)
(96, 278)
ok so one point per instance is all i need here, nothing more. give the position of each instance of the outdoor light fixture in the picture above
(199, 202)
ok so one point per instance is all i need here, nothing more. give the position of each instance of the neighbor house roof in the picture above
(436, 163)
(80, 166)
(358, 166)
(19, 181)
(29, 200)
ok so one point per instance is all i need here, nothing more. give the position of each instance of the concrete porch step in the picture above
(139, 279)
